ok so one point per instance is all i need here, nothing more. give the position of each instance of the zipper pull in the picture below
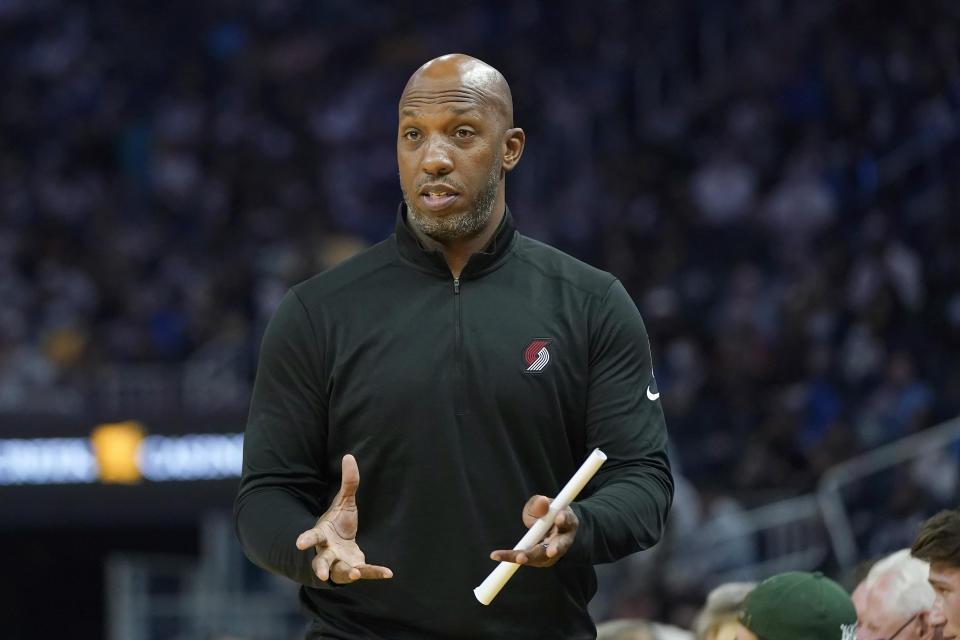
(456, 286)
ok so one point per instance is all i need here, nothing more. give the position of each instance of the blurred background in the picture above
(776, 183)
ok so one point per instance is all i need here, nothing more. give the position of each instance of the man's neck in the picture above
(457, 252)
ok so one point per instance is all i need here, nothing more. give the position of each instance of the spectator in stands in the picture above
(897, 600)
(625, 630)
(718, 619)
(797, 606)
(939, 544)
(638, 629)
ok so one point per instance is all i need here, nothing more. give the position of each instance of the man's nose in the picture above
(437, 160)
(937, 618)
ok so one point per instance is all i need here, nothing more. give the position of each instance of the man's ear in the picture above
(513, 141)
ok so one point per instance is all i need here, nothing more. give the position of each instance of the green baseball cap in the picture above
(799, 606)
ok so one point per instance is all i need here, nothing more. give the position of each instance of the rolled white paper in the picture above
(490, 587)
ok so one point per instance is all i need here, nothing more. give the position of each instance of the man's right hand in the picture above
(334, 536)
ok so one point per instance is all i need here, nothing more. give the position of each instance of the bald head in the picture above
(456, 77)
(455, 143)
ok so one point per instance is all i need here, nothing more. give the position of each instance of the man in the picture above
(896, 600)
(939, 544)
(463, 367)
(797, 606)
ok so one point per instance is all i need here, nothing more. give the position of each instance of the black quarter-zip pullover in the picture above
(460, 399)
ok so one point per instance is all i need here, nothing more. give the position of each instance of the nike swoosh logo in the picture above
(651, 395)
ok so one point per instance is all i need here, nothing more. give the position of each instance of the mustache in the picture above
(453, 184)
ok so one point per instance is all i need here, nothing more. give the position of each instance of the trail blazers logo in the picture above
(536, 355)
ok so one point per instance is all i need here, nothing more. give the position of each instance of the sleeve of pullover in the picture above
(282, 487)
(628, 500)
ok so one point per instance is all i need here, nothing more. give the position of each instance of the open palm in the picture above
(339, 558)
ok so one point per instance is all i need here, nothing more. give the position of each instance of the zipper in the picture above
(458, 400)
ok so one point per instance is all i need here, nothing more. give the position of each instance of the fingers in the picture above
(374, 572)
(535, 556)
(536, 508)
(343, 573)
(542, 554)
(553, 547)
(322, 563)
(327, 566)
(558, 544)
(509, 555)
(349, 481)
(561, 536)
(566, 520)
(329, 562)
(311, 538)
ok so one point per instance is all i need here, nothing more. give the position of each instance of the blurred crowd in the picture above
(776, 183)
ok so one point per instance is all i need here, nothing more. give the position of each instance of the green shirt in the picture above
(459, 399)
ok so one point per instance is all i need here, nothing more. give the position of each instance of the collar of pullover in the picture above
(432, 259)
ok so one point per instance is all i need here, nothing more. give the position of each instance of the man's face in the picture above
(877, 622)
(945, 581)
(859, 599)
(450, 145)
(882, 625)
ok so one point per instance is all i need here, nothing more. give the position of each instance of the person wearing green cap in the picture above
(798, 606)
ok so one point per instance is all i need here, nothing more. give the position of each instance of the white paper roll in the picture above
(491, 586)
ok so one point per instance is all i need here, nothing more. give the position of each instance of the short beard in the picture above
(462, 226)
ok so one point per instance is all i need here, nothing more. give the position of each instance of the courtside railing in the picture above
(804, 532)
(937, 441)
(816, 530)
(216, 596)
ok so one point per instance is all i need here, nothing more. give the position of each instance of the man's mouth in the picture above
(437, 197)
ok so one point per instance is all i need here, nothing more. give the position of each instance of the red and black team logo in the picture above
(536, 355)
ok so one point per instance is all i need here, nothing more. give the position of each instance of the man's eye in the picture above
(412, 135)
(463, 133)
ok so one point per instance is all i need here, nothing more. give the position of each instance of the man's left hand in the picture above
(553, 546)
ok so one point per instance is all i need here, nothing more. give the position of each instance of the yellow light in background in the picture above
(115, 446)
